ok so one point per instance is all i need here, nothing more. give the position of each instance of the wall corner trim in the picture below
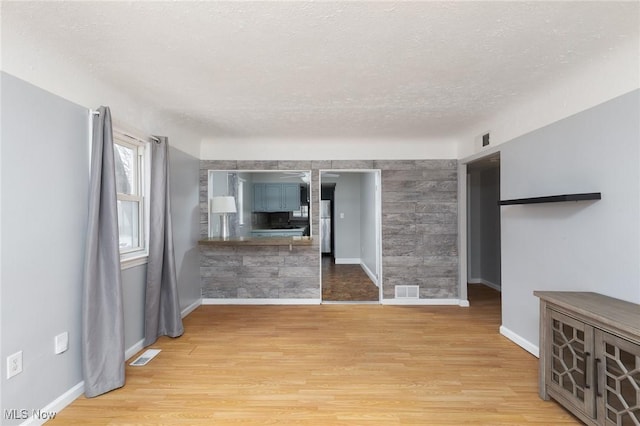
(520, 341)
(134, 349)
(370, 273)
(192, 307)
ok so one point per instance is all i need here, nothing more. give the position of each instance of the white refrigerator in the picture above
(325, 226)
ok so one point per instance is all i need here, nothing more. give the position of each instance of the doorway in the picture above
(351, 236)
(483, 229)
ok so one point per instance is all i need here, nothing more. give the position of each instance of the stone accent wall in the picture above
(420, 226)
(263, 272)
(419, 234)
(268, 272)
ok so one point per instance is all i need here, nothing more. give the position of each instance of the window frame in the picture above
(138, 255)
(240, 200)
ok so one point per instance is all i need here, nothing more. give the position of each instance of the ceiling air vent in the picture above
(406, 292)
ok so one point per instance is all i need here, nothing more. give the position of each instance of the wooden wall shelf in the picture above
(553, 199)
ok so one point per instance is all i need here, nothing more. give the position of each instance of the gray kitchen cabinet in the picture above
(258, 197)
(290, 196)
(273, 197)
(590, 356)
(276, 197)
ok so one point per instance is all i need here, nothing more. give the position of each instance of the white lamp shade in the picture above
(223, 204)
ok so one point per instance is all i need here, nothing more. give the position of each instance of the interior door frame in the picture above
(377, 173)
(463, 206)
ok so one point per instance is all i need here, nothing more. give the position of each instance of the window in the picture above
(303, 212)
(131, 186)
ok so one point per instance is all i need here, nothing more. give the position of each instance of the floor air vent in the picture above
(145, 357)
(406, 292)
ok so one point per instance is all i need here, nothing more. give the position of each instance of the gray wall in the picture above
(419, 225)
(347, 229)
(185, 215)
(484, 225)
(368, 220)
(45, 181)
(45, 170)
(490, 222)
(474, 228)
(582, 246)
(133, 291)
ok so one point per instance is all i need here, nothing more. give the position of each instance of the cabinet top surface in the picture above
(258, 241)
(299, 229)
(607, 310)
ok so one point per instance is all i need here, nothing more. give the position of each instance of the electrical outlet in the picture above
(61, 342)
(14, 364)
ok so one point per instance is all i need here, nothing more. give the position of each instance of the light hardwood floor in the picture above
(332, 365)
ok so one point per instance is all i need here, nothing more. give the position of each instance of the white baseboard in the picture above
(348, 261)
(56, 406)
(192, 307)
(464, 303)
(134, 349)
(208, 301)
(371, 275)
(425, 302)
(485, 282)
(139, 345)
(520, 341)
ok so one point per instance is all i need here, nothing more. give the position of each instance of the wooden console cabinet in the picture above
(590, 356)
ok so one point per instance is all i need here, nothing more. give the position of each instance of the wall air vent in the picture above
(407, 292)
(485, 139)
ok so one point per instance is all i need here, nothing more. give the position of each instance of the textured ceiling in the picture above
(327, 69)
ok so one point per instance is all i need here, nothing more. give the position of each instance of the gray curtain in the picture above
(102, 311)
(162, 308)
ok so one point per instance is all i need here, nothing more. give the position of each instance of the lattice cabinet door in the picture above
(618, 390)
(568, 374)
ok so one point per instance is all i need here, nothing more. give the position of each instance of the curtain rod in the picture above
(96, 112)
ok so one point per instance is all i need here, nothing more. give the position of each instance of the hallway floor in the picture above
(346, 283)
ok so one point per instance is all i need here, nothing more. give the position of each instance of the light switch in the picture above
(14, 364)
(341, 215)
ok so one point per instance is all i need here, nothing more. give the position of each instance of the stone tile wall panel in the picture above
(419, 235)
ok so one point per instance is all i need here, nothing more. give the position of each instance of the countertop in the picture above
(298, 229)
(256, 241)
